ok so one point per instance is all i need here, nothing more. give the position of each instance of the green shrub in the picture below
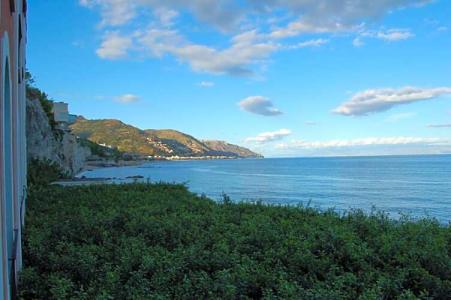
(160, 241)
(43, 172)
(35, 94)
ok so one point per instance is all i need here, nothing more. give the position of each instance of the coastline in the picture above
(80, 179)
(93, 165)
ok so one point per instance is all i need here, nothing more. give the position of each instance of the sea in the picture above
(416, 186)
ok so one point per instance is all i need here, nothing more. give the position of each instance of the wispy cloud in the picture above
(358, 42)
(127, 98)
(447, 125)
(259, 105)
(114, 46)
(390, 35)
(248, 50)
(400, 116)
(302, 27)
(206, 84)
(271, 136)
(311, 123)
(378, 100)
(372, 141)
(393, 35)
(317, 15)
(310, 44)
(114, 12)
(166, 16)
(366, 146)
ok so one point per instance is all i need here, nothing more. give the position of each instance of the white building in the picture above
(61, 112)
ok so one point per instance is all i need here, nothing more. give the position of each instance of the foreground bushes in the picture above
(43, 172)
(162, 242)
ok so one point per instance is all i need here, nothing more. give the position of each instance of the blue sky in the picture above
(283, 77)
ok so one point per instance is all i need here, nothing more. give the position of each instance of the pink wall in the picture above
(9, 50)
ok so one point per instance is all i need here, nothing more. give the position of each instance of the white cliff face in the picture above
(42, 143)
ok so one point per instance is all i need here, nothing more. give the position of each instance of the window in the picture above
(12, 6)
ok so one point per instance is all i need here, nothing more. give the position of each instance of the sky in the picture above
(282, 77)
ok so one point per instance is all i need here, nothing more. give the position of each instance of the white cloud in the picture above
(229, 14)
(366, 146)
(301, 27)
(114, 46)
(223, 14)
(310, 44)
(371, 141)
(391, 35)
(206, 84)
(377, 100)
(114, 12)
(271, 136)
(166, 16)
(357, 42)
(127, 98)
(248, 49)
(439, 125)
(442, 28)
(259, 105)
(400, 116)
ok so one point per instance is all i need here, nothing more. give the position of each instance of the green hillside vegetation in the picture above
(35, 94)
(127, 138)
(101, 151)
(159, 241)
(124, 137)
(225, 147)
(180, 142)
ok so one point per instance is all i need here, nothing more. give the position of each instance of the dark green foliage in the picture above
(162, 242)
(35, 94)
(43, 172)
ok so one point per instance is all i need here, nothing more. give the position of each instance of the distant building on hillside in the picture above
(13, 164)
(61, 112)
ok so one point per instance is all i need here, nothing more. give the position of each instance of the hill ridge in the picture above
(115, 133)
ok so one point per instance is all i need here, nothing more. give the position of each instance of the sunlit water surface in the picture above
(415, 185)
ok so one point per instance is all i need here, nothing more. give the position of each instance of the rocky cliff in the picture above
(47, 143)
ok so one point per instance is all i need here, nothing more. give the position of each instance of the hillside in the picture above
(127, 138)
(222, 146)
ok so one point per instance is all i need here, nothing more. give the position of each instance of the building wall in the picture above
(61, 111)
(12, 141)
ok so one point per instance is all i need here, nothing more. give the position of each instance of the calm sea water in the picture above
(416, 185)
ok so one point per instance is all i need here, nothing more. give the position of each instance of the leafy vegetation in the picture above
(127, 138)
(35, 94)
(101, 151)
(159, 241)
(43, 172)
